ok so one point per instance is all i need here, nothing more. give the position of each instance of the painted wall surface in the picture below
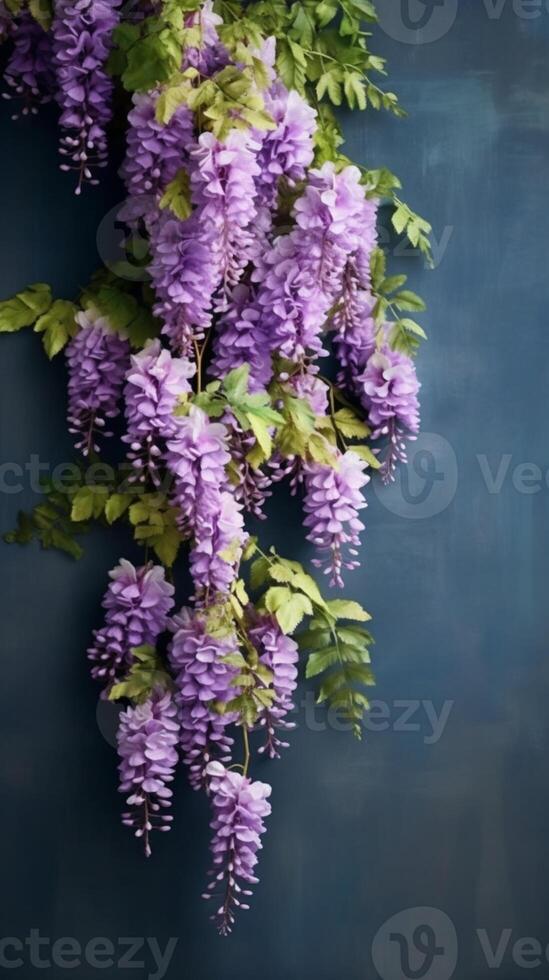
(445, 804)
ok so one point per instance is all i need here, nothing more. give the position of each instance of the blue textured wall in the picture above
(451, 815)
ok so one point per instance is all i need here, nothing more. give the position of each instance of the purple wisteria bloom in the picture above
(253, 487)
(82, 40)
(241, 339)
(184, 279)
(353, 320)
(389, 393)
(201, 678)
(279, 653)
(301, 277)
(97, 361)
(147, 738)
(155, 154)
(207, 510)
(333, 499)
(219, 538)
(209, 55)
(154, 383)
(197, 262)
(287, 150)
(239, 807)
(137, 604)
(309, 386)
(29, 73)
(224, 191)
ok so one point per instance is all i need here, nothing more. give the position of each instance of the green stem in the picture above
(246, 740)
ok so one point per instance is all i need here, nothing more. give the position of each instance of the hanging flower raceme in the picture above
(287, 150)
(137, 604)
(207, 510)
(197, 262)
(332, 503)
(353, 320)
(389, 393)
(202, 677)
(29, 73)
(184, 279)
(155, 153)
(223, 180)
(242, 339)
(279, 653)
(300, 278)
(147, 738)
(252, 488)
(97, 361)
(239, 808)
(82, 39)
(154, 384)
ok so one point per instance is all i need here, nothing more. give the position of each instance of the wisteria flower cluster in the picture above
(260, 341)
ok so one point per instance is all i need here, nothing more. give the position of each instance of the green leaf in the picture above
(89, 501)
(350, 425)
(177, 196)
(412, 327)
(290, 69)
(276, 597)
(151, 60)
(58, 325)
(367, 455)
(391, 283)
(235, 383)
(290, 614)
(259, 572)
(408, 300)
(116, 505)
(146, 673)
(42, 12)
(24, 308)
(318, 662)
(347, 609)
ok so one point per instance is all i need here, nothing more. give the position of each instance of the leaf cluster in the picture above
(392, 300)
(146, 673)
(51, 523)
(337, 650)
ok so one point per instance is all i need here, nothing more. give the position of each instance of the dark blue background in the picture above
(459, 598)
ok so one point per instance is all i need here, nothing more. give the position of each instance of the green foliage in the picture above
(417, 229)
(177, 196)
(112, 298)
(337, 648)
(117, 505)
(322, 50)
(89, 502)
(339, 654)
(58, 325)
(154, 523)
(50, 523)
(231, 99)
(149, 53)
(42, 11)
(146, 673)
(404, 333)
(23, 309)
